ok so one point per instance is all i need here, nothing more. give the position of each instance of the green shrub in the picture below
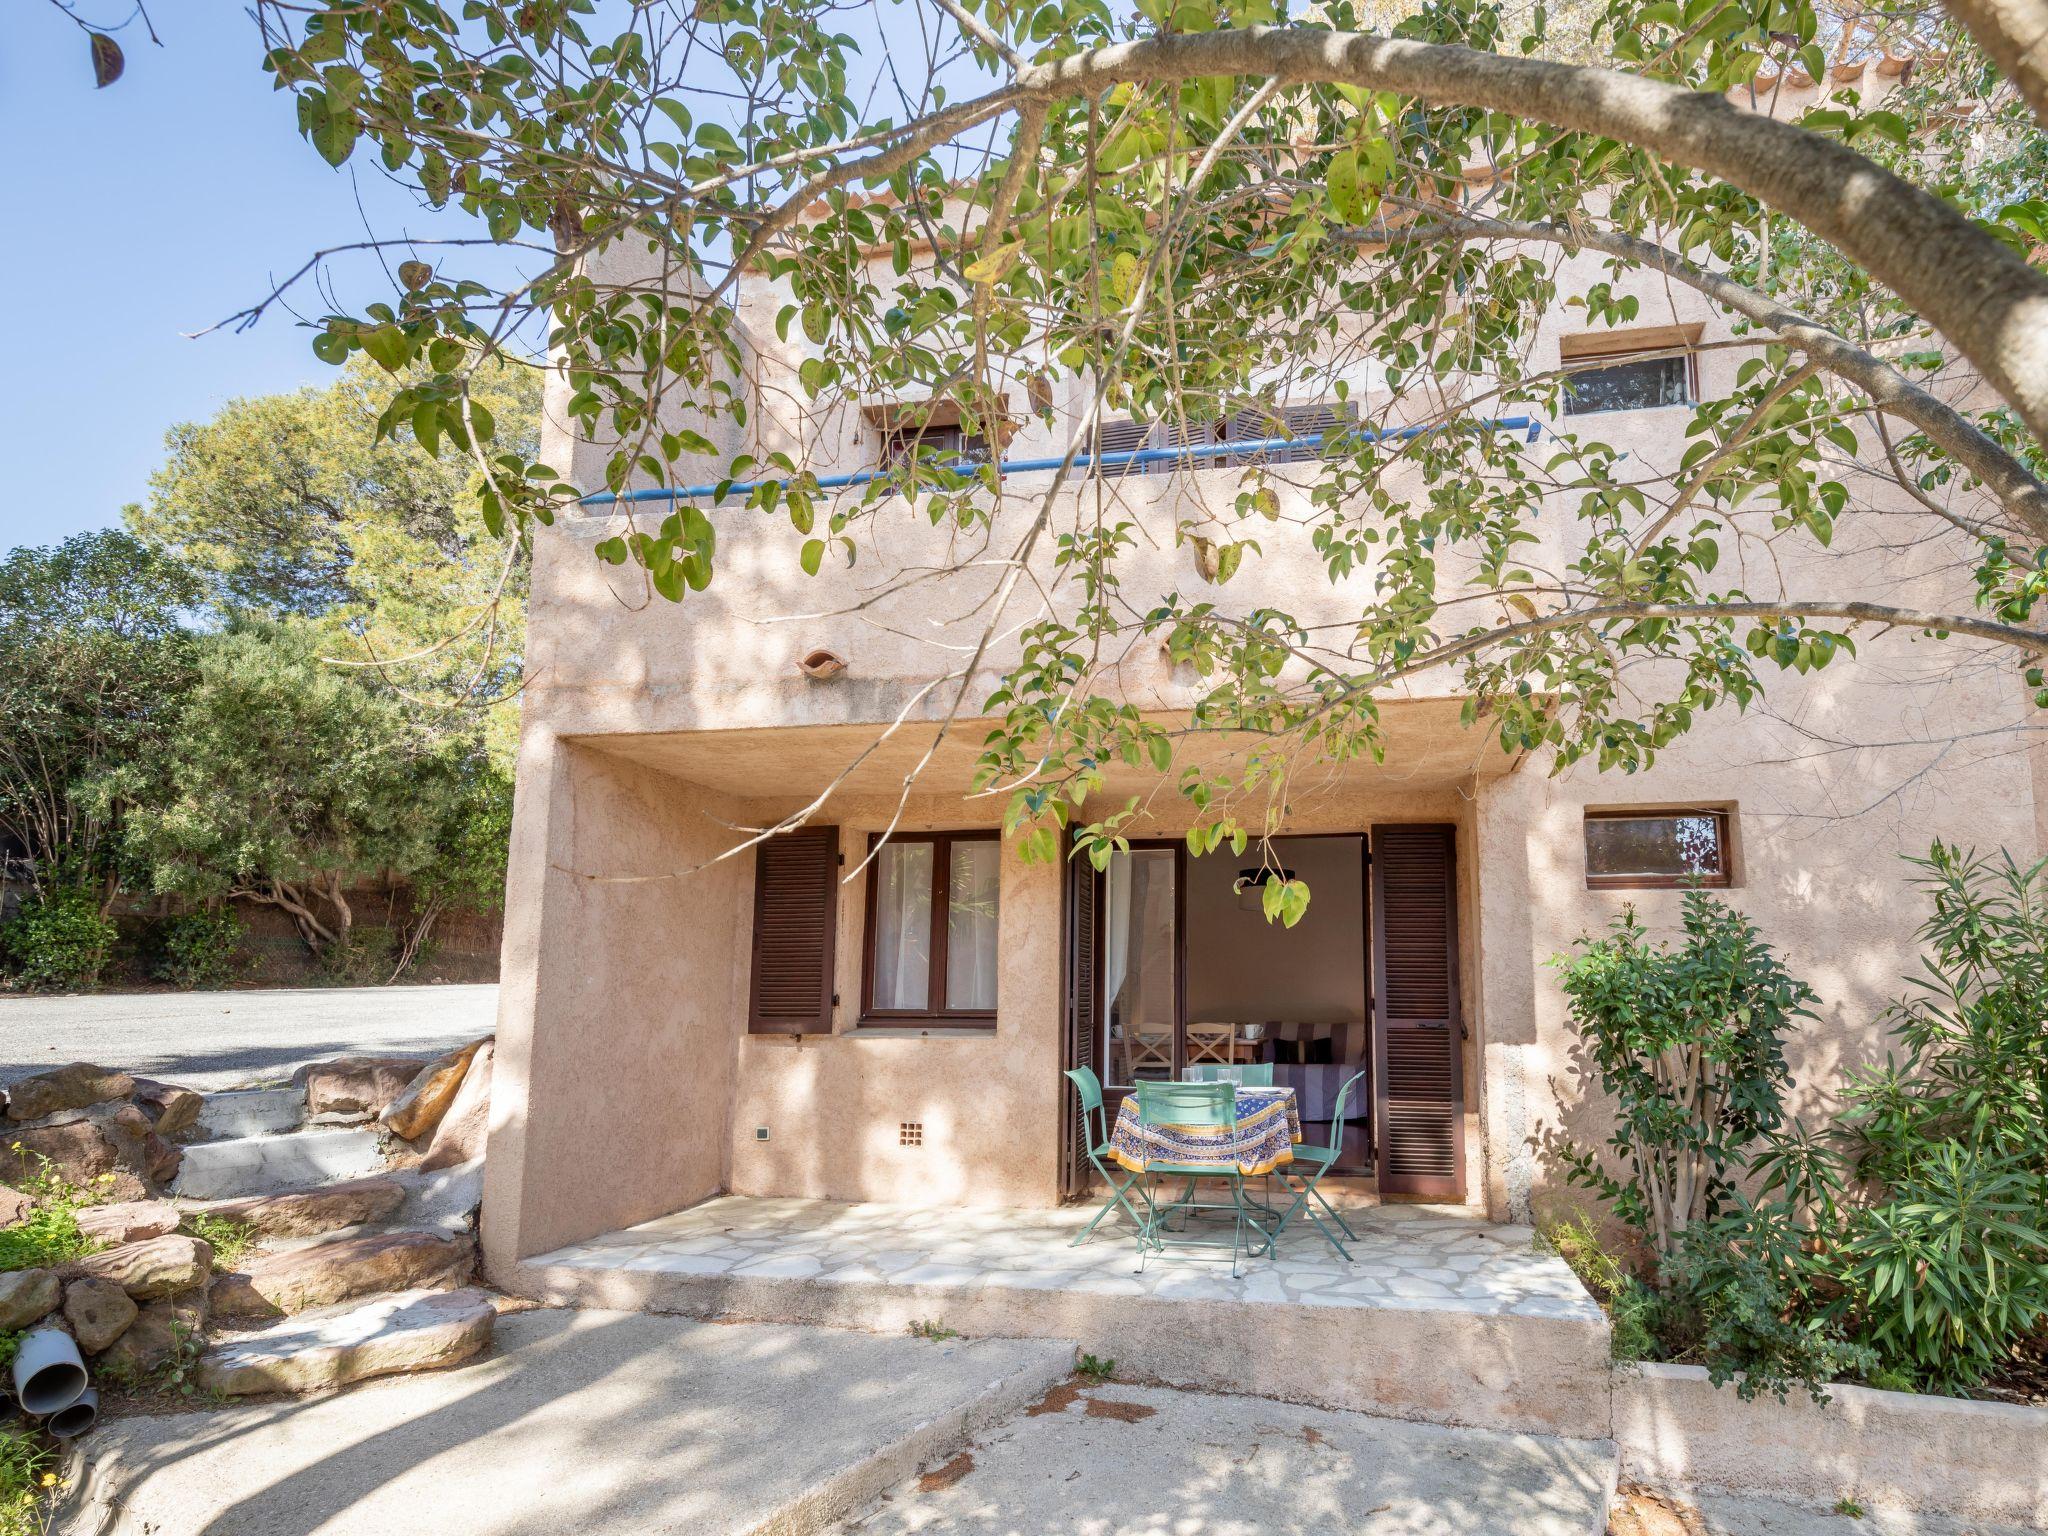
(198, 949)
(1740, 1297)
(366, 958)
(1943, 1262)
(58, 940)
(1945, 1275)
(1688, 1045)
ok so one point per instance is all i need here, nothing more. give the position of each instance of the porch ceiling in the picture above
(1427, 748)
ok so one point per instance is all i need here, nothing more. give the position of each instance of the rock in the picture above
(79, 1151)
(302, 1212)
(77, 1086)
(352, 1085)
(14, 1205)
(139, 1147)
(161, 1266)
(351, 1266)
(99, 1312)
(149, 1341)
(460, 1136)
(171, 1109)
(26, 1295)
(416, 1112)
(129, 1221)
(411, 1331)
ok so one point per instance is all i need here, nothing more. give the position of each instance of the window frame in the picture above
(1718, 879)
(942, 890)
(1591, 353)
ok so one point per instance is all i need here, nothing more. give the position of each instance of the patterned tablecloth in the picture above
(1268, 1125)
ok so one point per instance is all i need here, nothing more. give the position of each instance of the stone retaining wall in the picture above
(1969, 1460)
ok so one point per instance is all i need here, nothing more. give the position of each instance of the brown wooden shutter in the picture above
(1079, 956)
(796, 910)
(1417, 1028)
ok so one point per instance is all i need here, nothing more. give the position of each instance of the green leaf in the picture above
(812, 556)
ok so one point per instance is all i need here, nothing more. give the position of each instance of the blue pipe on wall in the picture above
(1528, 425)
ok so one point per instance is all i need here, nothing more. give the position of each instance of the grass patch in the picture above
(229, 1239)
(1631, 1305)
(28, 1477)
(933, 1330)
(49, 1234)
(1849, 1508)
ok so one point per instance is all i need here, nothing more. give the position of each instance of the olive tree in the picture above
(1175, 204)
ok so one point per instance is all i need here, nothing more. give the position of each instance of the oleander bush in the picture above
(1905, 1245)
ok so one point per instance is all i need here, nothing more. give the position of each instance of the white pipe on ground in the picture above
(49, 1373)
(69, 1422)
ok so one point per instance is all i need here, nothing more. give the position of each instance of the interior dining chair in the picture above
(1195, 1107)
(1095, 1132)
(1212, 1042)
(1317, 1161)
(1151, 1045)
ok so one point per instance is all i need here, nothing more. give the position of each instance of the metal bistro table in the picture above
(1268, 1126)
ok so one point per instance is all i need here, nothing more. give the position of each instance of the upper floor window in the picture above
(1630, 370)
(930, 948)
(1656, 848)
(930, 429)
(1307, 427)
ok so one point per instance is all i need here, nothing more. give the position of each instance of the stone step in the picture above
(406, 1331)
(264, 1165)
(251, 1112)
(304, 1279)
(316, 1212)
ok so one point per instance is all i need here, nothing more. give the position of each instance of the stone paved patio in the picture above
(1442, 1316)
(1407, 1257)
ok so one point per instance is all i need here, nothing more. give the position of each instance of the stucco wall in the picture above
(988, 1103)
(611, 1093)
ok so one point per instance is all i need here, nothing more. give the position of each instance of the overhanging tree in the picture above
(1179, 204)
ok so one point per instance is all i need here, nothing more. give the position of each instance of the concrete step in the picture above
(265, 1165)
(251, 1112)
(1130, 1460)
(604, 1424)
(405, 1331)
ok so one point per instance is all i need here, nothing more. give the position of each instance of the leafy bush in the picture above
(1948, 1272)
(1944, 1262)
(1688, 1043)
(198, 949)
(58, 940)
(1740, 1297)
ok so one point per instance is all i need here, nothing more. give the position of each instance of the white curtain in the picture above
(971, 907)
(903, 925)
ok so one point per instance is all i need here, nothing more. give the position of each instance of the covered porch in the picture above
(1442, 1316)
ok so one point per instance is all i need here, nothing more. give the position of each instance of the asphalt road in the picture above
(215, 1040)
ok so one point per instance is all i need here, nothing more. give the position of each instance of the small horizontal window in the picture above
(1629, 384)
(930, 957)
(947, 445)
(1656, 848)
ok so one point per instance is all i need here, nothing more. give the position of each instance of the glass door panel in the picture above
(1141, 973)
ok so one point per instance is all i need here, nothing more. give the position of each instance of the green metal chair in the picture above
(1251, 1075)
(1095, 1131)
(1195, 1106)
(1318, 1161)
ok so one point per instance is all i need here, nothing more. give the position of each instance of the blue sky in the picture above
(136, 213)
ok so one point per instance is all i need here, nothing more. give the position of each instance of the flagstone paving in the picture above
(1414, 1257)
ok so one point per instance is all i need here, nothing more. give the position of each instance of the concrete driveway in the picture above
(214, 1040)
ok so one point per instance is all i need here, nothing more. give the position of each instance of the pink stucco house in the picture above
(678, 1023)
